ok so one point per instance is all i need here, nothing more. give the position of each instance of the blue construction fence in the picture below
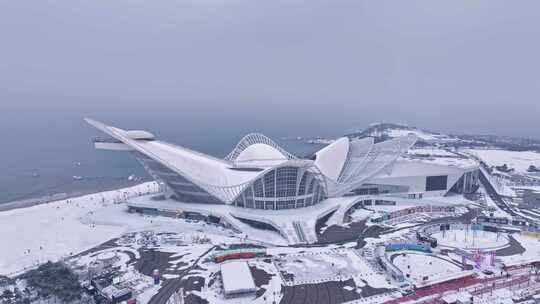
(408, 246)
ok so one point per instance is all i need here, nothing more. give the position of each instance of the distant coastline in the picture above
(86, 189)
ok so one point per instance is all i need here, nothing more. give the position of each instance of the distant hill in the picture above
(384, 131)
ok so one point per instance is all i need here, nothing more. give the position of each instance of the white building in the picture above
(259, 182)
(237, 279)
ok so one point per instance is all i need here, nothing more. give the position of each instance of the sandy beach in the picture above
(80, 189)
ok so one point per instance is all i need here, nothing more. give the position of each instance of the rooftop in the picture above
(237, 278)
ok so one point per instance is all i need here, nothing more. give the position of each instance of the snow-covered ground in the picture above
(50, 231)
(119, 260)
(532, 250)
(360, 214)
(59, 229)
(464, 239)
(397, 207)
(518, 160)
(419, 266)
(327, 266)
(55, 230)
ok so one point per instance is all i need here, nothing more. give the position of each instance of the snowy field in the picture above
(59, 229)
(471, 239)
(419, 266)
(55, 230)
(518, 160)
(325, 266)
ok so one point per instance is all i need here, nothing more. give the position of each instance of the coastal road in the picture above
(173, 285)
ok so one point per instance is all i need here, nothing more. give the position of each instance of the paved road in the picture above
(497, 199)
(515, 248)
(172, 285)
(332, 292)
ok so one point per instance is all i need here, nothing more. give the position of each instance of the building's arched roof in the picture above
(259, 152)
(332, 158)
(356, 158)
(364, 162)
(216, 176)
(345, 165)
(257, 146)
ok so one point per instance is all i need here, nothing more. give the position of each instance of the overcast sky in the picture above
(460, 66)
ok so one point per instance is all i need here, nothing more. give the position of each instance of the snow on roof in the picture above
(260, 151)
(260, 155)
(237, 278)
(330, 159)
(405, 167)
(431, 151)
(199, 166)
(456, 162)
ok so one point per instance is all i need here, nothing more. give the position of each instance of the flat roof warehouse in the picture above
(237, 279)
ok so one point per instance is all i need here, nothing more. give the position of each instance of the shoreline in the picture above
(37, 231)
(30, 202)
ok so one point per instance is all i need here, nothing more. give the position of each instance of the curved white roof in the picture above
(345, 163)
(217, 176)
(369, 161)
(260, 152)
(330, 159)
(210, 173)
(358, 151)
(197, 166)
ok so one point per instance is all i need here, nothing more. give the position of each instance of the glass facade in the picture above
(270, 184)
(436, 183)
(283, 188)
(183, 189)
